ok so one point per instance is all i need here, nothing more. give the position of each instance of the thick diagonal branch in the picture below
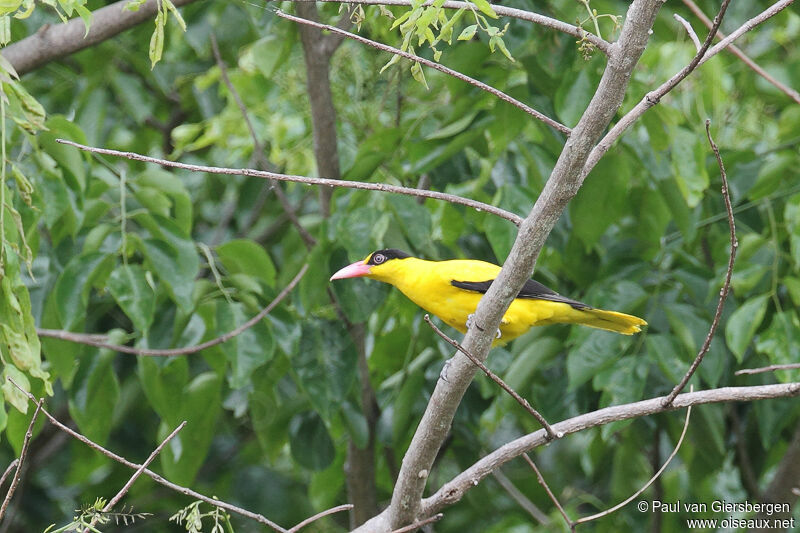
(561, 187)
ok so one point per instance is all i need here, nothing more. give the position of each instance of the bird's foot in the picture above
(445, 368)
(471, 322)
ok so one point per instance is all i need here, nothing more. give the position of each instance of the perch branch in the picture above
(92, 340)
(436, 66)
(723, 293)
(454, 490)
(770, 368)
(452, 198)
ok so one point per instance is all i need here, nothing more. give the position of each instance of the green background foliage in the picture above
(163, 258)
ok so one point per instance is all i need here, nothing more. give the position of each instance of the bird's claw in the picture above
(443, 373)
(471, 322)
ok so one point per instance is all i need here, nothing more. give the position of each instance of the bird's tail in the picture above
(612, 321)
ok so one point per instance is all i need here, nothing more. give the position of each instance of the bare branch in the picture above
(436, 66)
(650, 482)
(22, 454)
(770, 368)
(452, 198)
(55, 41)
(503, 11)
(92, 339)
(543, 483)
(689, 30)
(326, 512)
(455, 489)
(652, 98)
(723, 293)
(125, 488)
(735, 50)
(494, 377)
(8, 470)
(155, 477)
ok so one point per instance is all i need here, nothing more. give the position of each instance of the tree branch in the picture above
(770, 368)
(94, 340)
(452, 198)
(652, 98)
(436, 66)
(735, 50)
(560, 188)
(529, 16)
(22, 454)
(454, 490)
(52, 42)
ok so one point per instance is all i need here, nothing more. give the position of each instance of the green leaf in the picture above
(128, 285)
(602, 200)
(249, 350)
(68, 159)
(468, 33)
(772, 174)
(485, 7)
(310, 442)
(200, 406)
(247, 257)
(324, 365)
(413, 219)
(688, 163)
(743, 323)
(572, 97)
(596, 351)
(93, 395)
(71, 292)
(356, 424)
(157, 40)
(160, 379)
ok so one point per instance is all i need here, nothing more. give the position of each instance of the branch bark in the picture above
(52, 42)
(562, 186)
(454, 490)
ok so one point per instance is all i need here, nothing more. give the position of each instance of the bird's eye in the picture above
(378, 259)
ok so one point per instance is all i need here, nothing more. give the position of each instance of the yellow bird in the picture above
(451, 290)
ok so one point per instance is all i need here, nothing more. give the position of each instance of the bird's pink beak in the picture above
(356, 270)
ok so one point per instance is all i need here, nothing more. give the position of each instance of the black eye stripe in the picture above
(381, 256)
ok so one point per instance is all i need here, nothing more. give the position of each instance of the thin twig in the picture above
(522, 500)
(326, 512)
(689, 30)
(8, 470)
(494, 377)
(92, 339)
(543, 483)
(155, 477)
(735, 50)
(125, 488)
(258, 148)
(22, 454)
(417, 525)
(452, 198)
(650, 482)
(770, 368)
(436, 66)
(502, 11)
(723, 293)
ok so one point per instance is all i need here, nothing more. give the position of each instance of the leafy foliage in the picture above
(158, 259)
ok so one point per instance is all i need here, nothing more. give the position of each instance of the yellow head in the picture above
(382, 265)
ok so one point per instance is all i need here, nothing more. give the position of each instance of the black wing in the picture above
(532, 290)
